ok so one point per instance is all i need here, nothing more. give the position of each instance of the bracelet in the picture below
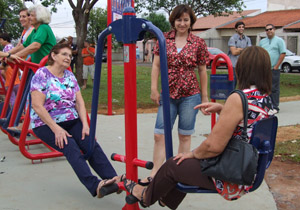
(9, 54)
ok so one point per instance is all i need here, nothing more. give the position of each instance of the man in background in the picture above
(237, 43)
(277, 50)
(88, 54)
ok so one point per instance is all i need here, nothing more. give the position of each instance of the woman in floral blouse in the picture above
(185, 52)
(59, 118)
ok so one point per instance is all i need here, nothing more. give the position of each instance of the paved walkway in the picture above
(53, 185)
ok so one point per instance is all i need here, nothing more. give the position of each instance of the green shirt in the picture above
(275, 47)
(43, 35)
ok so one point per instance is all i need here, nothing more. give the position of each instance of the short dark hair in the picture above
(238, 24)
(5, 36)
(56, 49)
(24, 9)
(270, 24)
(178, 11)
(254, 68)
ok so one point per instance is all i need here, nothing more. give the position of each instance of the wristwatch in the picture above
(9, 54)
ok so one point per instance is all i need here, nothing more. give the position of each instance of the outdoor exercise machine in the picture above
(221, 85)
(128, 30)
(12, 118)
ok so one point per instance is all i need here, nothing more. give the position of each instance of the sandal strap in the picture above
(129, 187)
(142, 199)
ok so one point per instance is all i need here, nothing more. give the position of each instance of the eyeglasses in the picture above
(269, 29)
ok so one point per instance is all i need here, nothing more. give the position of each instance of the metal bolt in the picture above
(109, 28)
(143, 25)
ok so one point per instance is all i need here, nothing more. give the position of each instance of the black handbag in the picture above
(238, 162)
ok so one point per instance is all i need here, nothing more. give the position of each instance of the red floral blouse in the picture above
(181, 66)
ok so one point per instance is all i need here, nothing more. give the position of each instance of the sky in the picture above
(62, 22)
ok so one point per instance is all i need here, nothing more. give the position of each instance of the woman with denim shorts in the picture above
(185, 53)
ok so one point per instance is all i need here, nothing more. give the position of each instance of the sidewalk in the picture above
(53, 184)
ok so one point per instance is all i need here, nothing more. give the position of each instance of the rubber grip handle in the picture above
(106, 190)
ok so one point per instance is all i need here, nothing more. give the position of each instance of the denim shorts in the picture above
(184, 108)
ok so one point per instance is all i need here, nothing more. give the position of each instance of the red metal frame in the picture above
(22, 142)
(2, 88)
(214, 71)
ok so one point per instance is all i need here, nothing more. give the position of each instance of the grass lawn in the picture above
(290, 86)
(288, 150)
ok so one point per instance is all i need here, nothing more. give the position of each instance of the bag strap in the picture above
(245, 110)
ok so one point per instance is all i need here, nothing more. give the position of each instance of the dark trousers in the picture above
(163, 186)
(234, 78)
(72, 151)
(275, 88)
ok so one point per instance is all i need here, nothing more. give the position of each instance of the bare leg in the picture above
(184, 143)
(159, 154)
(84, 84)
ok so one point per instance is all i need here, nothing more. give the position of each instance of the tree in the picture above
(81, 10)
(97, 23)
(200, 7)
(81, 13)
(9, 10)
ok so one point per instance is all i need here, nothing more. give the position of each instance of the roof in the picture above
(293, 26)
(277, 18)
(211, 21)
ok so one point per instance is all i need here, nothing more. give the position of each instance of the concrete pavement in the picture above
(53, 185)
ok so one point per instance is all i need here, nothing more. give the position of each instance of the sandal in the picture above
(131, 199)
(103, 183)
(120, 179)
(149, 179)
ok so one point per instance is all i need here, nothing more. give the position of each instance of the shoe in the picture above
(119, 179)
(131, 199)
(102, 183)
(149, 178)
(273, 111)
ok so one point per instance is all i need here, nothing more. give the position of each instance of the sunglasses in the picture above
(269, 29)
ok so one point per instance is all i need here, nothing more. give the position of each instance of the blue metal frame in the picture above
(129, 30)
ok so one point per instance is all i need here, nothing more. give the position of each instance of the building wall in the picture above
(282, 4)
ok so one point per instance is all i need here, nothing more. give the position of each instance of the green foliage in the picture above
(51, 3)
(160, 21)
(200, 7)
(97, 23)
(9, 9)
(288, 150)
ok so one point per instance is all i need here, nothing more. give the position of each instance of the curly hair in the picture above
(43, 15)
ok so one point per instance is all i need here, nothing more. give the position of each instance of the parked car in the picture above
(213, 52)
(290, 62)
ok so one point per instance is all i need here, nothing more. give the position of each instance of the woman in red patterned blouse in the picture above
(185, 52)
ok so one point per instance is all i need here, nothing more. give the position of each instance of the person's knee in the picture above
(159, 138)
(184, 138)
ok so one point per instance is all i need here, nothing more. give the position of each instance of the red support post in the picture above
(130, 115)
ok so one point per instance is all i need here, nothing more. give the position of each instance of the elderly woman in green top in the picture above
(41, 40)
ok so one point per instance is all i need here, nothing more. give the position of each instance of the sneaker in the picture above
(273, 111)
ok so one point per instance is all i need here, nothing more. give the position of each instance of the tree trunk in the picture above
(81, 17)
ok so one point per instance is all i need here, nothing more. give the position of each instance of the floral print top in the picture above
(60, 96)
(259, 107)
(181, 66)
